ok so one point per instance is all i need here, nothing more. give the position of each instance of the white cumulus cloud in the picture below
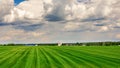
(36, 17)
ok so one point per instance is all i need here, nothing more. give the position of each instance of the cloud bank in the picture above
(60, 17)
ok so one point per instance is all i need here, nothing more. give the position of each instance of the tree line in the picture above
(69, 44)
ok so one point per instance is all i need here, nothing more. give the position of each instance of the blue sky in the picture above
(18, 1)
(40, 21)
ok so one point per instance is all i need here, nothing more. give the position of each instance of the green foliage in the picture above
(69, 44)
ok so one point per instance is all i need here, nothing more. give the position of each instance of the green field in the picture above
(59, 57)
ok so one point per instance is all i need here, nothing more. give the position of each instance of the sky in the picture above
(18, 1)
(48, 21)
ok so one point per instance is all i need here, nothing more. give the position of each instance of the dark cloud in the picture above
(53, 18)
(118, 27)
(93, 19)
(57, 14)
(30, 27)
(84, 1)
(99, 24)
(4, 24)
(23, 25)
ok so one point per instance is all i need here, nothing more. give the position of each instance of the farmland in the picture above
(59, 57)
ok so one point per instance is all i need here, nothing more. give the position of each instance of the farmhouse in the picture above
(60, 44)
(36, 45)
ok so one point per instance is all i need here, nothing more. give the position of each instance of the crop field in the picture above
(60, 57)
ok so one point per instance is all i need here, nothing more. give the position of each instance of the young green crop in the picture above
(59, 57)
